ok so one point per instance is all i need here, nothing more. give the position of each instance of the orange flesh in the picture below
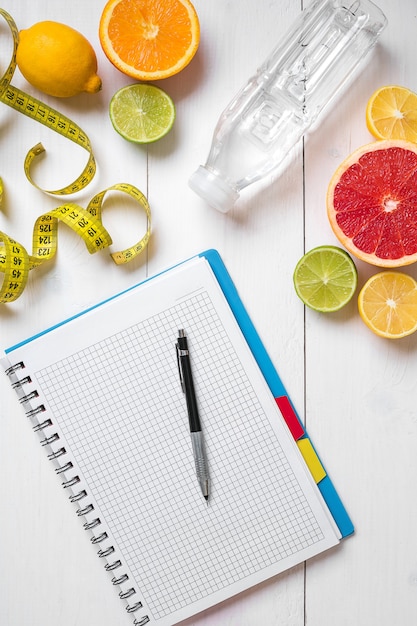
(150, 35)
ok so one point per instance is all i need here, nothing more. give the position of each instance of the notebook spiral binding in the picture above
(34, 413)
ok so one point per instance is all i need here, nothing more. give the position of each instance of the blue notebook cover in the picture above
(275, 384)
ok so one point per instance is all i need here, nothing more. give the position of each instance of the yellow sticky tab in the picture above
(310, 457)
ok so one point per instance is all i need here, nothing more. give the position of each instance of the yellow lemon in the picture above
(57, 60)
(391, 113)
(388, 304)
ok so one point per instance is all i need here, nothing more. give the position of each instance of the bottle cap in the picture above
(214, 189)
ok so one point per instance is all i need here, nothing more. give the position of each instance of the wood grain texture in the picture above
(356, 392)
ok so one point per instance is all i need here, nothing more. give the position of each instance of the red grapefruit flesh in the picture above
(372, 203)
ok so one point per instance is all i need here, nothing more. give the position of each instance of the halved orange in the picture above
(372, 203)
(149, 39)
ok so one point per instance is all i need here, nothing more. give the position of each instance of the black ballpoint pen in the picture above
(197, 439)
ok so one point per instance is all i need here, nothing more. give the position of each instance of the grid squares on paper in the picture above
(122, 412)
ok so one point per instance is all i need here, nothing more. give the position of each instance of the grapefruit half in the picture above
(372, 203)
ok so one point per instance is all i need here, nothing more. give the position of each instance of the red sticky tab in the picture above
(290, 417)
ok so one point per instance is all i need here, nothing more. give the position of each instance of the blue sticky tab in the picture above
(336, 507)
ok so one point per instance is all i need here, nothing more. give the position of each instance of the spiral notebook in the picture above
(102, 391)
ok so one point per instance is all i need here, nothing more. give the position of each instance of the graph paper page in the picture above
(110, 384)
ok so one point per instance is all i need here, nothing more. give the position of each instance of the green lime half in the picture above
(325, 278)
(142, 113)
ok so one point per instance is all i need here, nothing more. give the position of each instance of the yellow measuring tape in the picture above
(15, 262)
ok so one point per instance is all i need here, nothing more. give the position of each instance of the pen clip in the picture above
(177, 348)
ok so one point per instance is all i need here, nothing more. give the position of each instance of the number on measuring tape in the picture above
(15, 262)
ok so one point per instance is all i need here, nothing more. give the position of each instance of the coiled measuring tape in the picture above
(15, 261)
(40, 112)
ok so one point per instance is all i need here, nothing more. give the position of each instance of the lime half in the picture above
(325, 278)
(142, 113)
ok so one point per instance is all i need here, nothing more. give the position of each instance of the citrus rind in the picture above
(325, 278)
(132, 60)
(387, 304)
(57, 60)
(354, 186)
(391, 113)
(142, 113)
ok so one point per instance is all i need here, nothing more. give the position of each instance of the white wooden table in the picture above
(356, 392)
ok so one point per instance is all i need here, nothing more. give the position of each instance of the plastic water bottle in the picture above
(266, 119)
